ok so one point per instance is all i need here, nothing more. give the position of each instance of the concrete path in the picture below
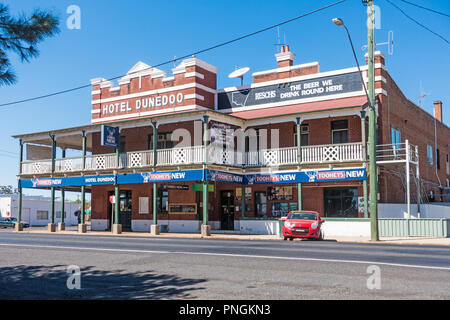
(387, 240)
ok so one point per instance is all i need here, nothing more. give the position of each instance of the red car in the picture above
(302, 224)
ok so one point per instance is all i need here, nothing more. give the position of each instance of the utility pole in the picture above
(372, 126)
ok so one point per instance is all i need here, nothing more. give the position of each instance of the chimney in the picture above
(438, 110)
(285, 58)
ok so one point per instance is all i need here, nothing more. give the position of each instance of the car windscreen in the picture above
(302, 216)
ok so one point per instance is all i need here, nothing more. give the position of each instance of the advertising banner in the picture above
(110, 136)
(295, 90)
(307, 176)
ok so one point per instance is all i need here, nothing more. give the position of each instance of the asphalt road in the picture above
(34, 266)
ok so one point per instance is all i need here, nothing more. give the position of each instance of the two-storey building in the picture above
(239, 158)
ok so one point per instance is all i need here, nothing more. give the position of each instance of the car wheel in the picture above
(291, 239)
(285, 238)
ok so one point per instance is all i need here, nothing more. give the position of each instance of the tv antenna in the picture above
(423, 94)
(389, 43)
(279, 44)
(239, 73)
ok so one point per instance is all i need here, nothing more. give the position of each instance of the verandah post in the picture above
(154, 228)
(18, 226)
(364, 158)
(299, 161)
(62, 225)
(51, 225)
(205, 228)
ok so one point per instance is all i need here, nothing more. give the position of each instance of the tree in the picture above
(21, 35)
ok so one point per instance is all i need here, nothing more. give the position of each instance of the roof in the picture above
(302, 108)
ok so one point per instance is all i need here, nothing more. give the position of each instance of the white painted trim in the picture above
(106, 84)
(381, 90)
(168, 79)
(153, 92)
(96, 92)
(284, 56)
(194, 96)
(141, 114)
(380, 78)
(202, 64)
(95, 111)
(194, 74)
(297, 101)
(114, 89)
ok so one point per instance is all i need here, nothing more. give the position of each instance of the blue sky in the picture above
(114, 35)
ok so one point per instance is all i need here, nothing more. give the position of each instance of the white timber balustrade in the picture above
(183, 155)
(346, 152)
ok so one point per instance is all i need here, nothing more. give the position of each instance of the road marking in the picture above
(229, 255)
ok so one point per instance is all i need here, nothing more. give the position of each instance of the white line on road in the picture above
(229, 255)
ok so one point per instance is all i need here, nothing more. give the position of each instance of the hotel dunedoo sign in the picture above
(295, 90)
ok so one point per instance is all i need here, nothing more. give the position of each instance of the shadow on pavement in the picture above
(50, 282)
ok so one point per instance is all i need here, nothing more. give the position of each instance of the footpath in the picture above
(237, 236)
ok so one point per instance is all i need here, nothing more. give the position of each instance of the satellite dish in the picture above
(239, 73)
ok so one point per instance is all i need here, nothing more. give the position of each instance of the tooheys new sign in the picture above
(307, 176)
(289, 91)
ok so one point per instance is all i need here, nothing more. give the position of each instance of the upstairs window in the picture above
(396, 138)
(304, 135)
(429, 154)
(164, 141)
(438, 159)
(339, 131)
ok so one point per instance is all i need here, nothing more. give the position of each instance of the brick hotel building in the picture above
(292, 139)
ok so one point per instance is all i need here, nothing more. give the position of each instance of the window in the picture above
(438, 159)
(341, 202)
(429, 154)
(41, 215)
(447, 164)
(162, 201)
(122, 144)
(58, 214)
(304, 135)
(339, 131)
(164, 141)
(396, 138)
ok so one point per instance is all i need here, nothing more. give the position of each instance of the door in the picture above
(227, 210)
(260, 204)
(125, 210)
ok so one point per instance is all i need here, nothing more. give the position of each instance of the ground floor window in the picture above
(41, 215)
(260, 204)
(341, 202)
(162, 201)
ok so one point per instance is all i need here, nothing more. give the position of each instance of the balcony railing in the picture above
(320, 154)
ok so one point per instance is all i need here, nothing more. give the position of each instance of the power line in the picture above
(417, 22)
(416, 5)
(183, 57)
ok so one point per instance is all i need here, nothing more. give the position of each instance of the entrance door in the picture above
(260, 204)
(227, 210)
(125, 210)
(341, 202)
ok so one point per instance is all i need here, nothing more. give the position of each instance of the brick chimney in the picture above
(438, 110)
(285, 58)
